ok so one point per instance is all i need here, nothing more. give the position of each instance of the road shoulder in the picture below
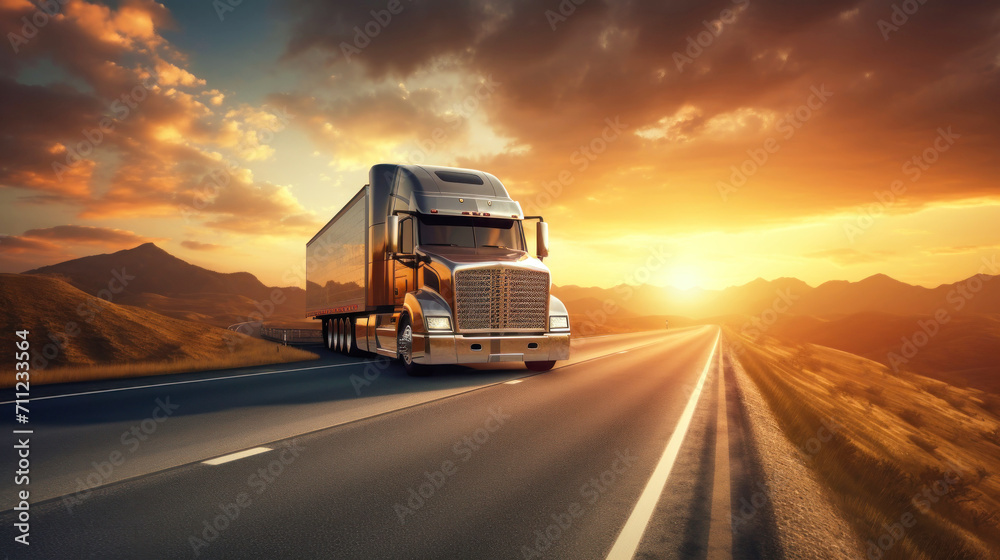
(806, 523)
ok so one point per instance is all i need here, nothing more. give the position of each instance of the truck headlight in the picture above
(439, 323)
(558, 322)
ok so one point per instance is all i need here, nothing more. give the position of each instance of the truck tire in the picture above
(404, 348)
(328, 334)
(541, 366)
(351, 344)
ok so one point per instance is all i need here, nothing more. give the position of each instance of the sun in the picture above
(684, 277)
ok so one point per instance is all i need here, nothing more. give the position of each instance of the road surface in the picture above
(613, 454)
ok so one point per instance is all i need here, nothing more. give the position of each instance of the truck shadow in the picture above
(333, 379)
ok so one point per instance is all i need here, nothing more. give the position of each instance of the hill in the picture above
(964, 351)
(149, 277)
(70, 328)
(878, 293)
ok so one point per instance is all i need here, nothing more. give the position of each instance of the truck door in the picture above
(404, 271)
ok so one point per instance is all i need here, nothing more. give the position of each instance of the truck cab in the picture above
(449, 278)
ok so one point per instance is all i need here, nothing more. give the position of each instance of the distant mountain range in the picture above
(147, 276)
(878, 293)
(157, 280)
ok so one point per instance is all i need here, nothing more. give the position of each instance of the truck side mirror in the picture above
(542, 239)
(392, 234)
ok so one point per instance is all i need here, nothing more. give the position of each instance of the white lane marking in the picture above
(190, 381)
(236, 456)
(624, 352)
(512, 382)
(631, 534)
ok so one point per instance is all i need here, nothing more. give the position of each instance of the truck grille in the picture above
(501, 299)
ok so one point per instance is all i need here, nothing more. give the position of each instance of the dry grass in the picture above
(897, 438)
(75, 336)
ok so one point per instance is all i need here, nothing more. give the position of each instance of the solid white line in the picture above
(631, 534)
(512, 382)
(189, 381)
(236, 456)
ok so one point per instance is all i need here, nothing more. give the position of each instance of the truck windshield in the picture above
(455, 231)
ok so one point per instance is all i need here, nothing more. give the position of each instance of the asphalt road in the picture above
(348, 458)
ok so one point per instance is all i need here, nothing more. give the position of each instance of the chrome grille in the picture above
(501, 299)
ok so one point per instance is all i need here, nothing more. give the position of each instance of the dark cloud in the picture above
(199, 246)
(940, 68)
(88, 234)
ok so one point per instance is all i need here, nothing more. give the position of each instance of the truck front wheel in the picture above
(404, 346)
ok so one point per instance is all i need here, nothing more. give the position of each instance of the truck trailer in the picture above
(430, 265)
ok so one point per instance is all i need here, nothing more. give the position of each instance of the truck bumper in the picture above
(460, 349)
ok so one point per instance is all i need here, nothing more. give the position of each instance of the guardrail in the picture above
(292, 336)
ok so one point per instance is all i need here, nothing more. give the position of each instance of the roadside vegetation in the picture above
(913, 464)
(77, 337)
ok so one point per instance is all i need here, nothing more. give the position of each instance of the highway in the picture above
(613, 454)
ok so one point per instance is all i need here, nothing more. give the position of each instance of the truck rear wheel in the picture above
(541, 366)
(350, 342)
(404, 347)
(328, 334)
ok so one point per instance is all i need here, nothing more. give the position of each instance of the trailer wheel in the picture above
(541, 366)
(328, 334)
(351, 343)
(404, 347)
(345, 335)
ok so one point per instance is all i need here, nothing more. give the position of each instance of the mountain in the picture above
(878, 293)
(964, 350)
(69, 327)
(149, 269)
(149, 277)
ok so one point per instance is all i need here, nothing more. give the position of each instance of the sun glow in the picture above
(684, 277)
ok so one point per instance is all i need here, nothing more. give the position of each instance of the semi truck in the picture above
(430, 265)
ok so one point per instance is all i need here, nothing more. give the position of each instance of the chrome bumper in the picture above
(461, 349)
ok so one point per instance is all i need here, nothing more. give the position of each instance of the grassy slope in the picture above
(899, 433)
(119, 340)
(963, 351)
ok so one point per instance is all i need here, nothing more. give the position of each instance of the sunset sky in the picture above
(650, 113)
